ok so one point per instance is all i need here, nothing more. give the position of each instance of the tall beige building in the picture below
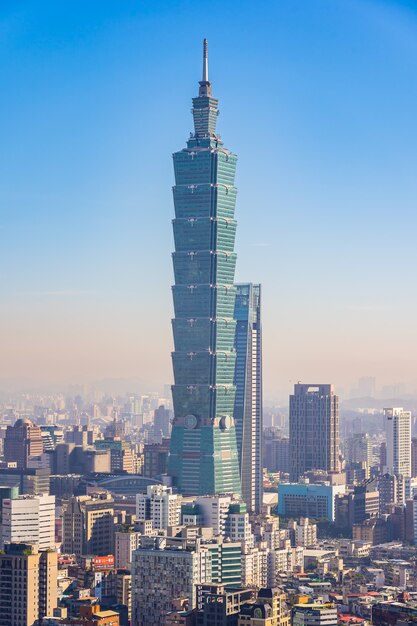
(28, 584)
(124, 591)
(23, 442)
(88, 525)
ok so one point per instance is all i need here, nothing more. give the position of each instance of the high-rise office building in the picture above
(248, 400)
(88, 525)
(28, 584)
(308, 500)
(388, 491)
(23, 442)
(29, 519)
(203, 455)
(314, 429)
(398, 430)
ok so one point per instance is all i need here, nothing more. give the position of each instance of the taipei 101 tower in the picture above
(203, 457)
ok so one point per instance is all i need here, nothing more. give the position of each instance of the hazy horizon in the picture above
(317, 99)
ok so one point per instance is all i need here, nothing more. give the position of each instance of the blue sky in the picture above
(317, 98)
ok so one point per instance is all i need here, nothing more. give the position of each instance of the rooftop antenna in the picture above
(205, 61)
(205, 84)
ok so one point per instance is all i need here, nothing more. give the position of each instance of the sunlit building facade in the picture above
(398, 431)
(248, 400)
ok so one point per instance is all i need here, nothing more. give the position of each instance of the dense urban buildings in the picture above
(248, 400)
(203, 456)
(314, 429)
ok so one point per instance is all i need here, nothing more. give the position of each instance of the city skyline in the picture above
(336, 258)
(253, 462)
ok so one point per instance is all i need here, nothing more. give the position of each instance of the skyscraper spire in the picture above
(205, 84)
(205, 61)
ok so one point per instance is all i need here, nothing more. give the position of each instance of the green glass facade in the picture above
(203, 456)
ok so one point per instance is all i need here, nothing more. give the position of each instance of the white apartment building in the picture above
(29, 519)
(238, 527)
(268, 530)
(125, 544)
(305, 532)
(214, 511)
(255, 567)
(284, 560)
(398, 429)
(160, 505)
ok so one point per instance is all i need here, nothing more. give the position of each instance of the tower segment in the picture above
(203, 455)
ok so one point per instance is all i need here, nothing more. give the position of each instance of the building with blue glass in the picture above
(203, 454)
(308, 500)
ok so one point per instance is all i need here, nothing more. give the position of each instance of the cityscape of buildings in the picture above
(207, 507)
